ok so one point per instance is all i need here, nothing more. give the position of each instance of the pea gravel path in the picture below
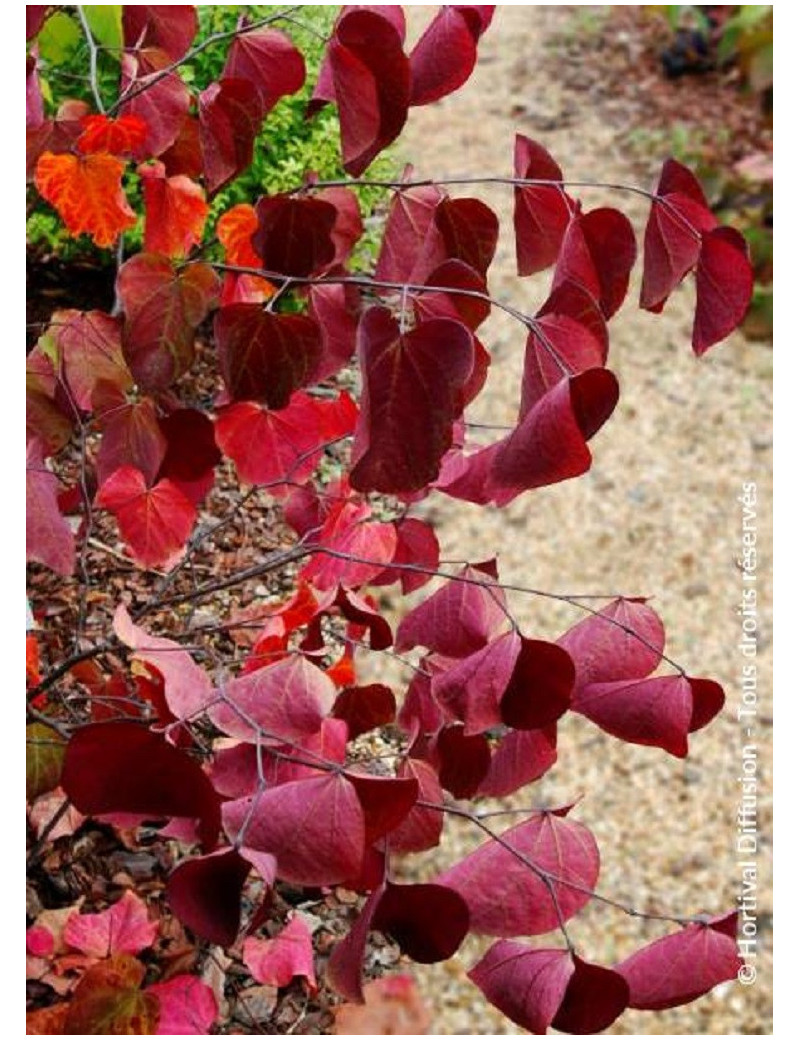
(657, 515)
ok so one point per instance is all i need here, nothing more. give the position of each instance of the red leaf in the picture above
(49, 538)
(549, 445)
(540, 688)
(417, 546)
(349, 532)
(678, 215)
(444, 56)
(682, 967)
(124, 928)
(507, 897)
(422, 828)
(265, 356)
(113, 767)
(286, 701)
(154, 522)
(623, 641)
(268, 59)
(205, 893)
(527, 985)
(423, 370)
(170, 27)
(230, 119)
(290, 954)
(89, 346)
(86, 191)
(370, 80)
(186, 1006)
(272, 447)
(314, 828)
(541, 212)
(184, 155)
(412, 245)
(708, 699)
(122, 137)
(365, 708)
(175, 211)
(458, 619)
(520, 758)
(656, 712)
(471, 688)
(357, 610)
(453, 275)
(131, 435)
(598, 253)
(163, 308)
(187, 687)
(329, 306)
(162, 105)
(295, 235)
(35, 16)
(724, 287)
(348, 227)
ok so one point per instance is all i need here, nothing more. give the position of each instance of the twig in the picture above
(87, 32)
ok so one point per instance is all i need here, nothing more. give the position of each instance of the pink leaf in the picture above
(471, 688)
(186, 1006)
(422, 828)
(187, 687)
(49, 538)
(526, 984)
(123, 928)
(275, 962)
(521, 757)
(682, 967)
(508, 897)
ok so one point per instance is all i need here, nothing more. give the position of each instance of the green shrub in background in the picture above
(287, 148)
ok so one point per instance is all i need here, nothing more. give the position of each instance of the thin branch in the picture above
(93, 50)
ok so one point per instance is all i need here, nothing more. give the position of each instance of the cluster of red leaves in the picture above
(280, 790)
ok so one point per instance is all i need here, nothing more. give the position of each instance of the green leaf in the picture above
(45, 754)
(105, 21)
(59, 38)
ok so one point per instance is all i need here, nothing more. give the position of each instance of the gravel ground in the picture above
(657, 515)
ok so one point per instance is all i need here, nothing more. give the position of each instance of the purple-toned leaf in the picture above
(295, 235)
(422, 828)
(521, 757)
(230, 119)
(507, 897)
(540, 688)
(469, 230)
(205, 893)
(462, 761)
(471, 688)
(428, 922)
(526, 984)
(420, 372)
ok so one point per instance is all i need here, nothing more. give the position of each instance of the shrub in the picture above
(284, 775)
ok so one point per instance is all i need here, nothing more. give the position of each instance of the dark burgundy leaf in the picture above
(163, 106)
(420, 373)
(469, 230)
(328, 305)
(462, 761)
(347, 960)
(371, 84)
(365, 708)
(170, 27)
(444, 56)
(206, 894)
(453, 275)
(230, 118)
(595, 997)
(163, 307)
(682, 967)
(192, 453)
(268, 59)
(349, 227)
(428, 922)
(708, 699)
(526, 984)
(121, 767)
(35, 15)
(385, 800)
(724, 287)
(132, 435)
(540, 687)
(507, 897)
(295, 235)
(598, 253)
(264, 356)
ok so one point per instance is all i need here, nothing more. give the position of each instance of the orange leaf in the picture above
(108, 1000)
(49, 1021)
(175, 211)
(87, 193)
(31, 660)
(122, 136)
(235, 230)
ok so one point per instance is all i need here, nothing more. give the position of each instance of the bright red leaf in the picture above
(122, 137)
(175, 211)
(86, 191)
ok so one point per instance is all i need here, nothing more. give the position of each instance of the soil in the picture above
(657, 515)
